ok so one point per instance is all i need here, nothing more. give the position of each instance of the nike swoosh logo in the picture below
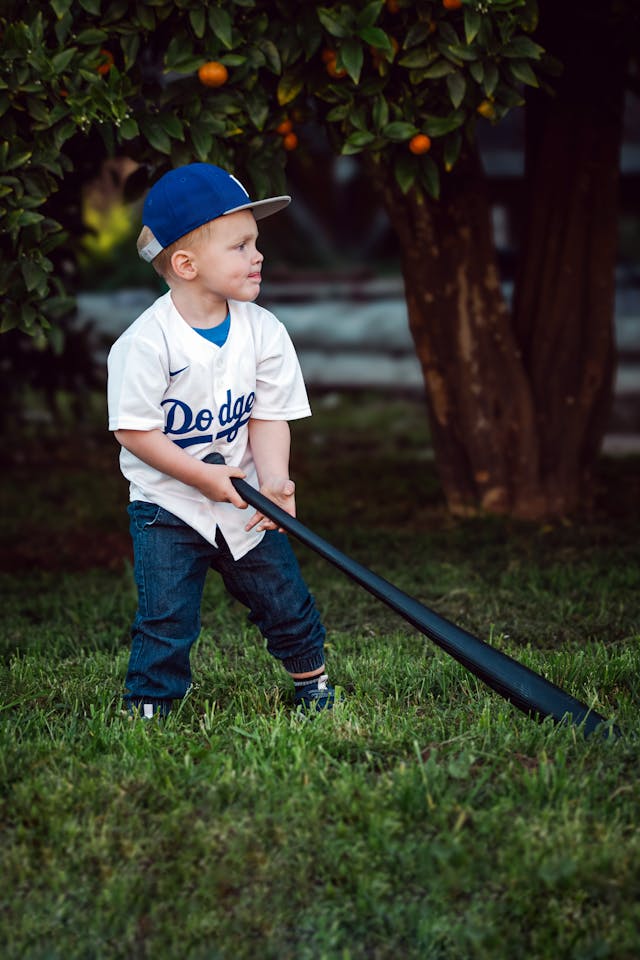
(174, 373)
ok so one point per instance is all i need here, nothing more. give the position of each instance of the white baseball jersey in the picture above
(163, 375)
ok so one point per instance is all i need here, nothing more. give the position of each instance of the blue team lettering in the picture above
(181, 420)
(234, 416)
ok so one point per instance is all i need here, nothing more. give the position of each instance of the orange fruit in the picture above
(486, 109)
(452, 4)
(290, 141)
(213, 74)
(393, 6)
(328, 55)
(107, 62)
(284, 128)
(419, 144)
(333, 71)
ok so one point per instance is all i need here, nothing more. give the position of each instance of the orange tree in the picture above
(405, 85)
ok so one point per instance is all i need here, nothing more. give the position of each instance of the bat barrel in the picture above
(523, 687)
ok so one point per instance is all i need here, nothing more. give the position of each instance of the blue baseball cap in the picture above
(189, 196)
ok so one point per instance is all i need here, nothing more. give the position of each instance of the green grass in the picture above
(425, 818)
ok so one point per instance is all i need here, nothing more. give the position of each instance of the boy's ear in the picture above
(182, 265)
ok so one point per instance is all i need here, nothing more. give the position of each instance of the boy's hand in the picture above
(282, 491)
(216, 485)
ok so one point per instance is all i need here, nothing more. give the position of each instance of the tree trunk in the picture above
(565, 292)
(518, 406)
(479, 400)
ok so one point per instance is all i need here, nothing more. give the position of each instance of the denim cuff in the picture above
(304, 664)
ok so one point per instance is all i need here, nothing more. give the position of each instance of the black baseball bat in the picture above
(524, 688)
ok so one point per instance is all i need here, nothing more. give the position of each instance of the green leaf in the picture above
(441, 68)
(272, 55)
(452, 146)
(457, 87)
(61, 61)
(198, 21)
(352, 57)
(179, 50)
(116, 10)
(380, 112)
(508, 98)
(38, 110)
(289, 87)
(60, 7)
(357, 141)
(212, 122)
(92, 36)
(145, 16)
(368, 16)
(399, 131)
(491, 77)
(35, 277)
(417, 33)
(472, 21)
(417, 58)
(476, 70)
(358, 118)
(129, 129)
(17, 160)
(91, 6)
(522, 47)
(172, 125)
(339, 113)
(156, 136)
(28, 218)
(258, 109)
(376, 38)
(430, 177)
(130, 46)
(523, 72)
(439, 126)
(233, 60)
(256, 58)
(9, 321)
(332, 23)
(202, 141)
(460, 52)
(221, 25)
(405, 169)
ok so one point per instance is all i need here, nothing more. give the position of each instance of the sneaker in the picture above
(316, 698)
(147, 709)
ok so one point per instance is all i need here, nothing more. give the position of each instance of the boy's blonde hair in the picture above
(162, 263)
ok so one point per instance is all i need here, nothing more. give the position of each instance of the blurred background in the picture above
(332, 272)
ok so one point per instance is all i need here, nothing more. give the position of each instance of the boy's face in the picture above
(226, 259)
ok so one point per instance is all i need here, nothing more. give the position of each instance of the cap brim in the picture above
(262, 208)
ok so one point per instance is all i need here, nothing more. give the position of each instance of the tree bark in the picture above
(518, 403)
(565, 291)
(480, 404)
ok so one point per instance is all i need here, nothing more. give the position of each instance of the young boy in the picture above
(205, 369)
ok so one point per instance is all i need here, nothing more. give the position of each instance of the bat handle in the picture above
(215, 458)
(246, 491)
(241, 486)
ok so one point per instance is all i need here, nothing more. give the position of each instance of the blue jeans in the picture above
(171, 562)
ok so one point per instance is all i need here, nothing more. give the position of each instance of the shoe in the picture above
(316, 698)
(147, 709)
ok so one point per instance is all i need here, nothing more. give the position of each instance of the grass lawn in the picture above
(424, 818)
